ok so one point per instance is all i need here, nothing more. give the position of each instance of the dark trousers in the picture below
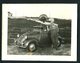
(54, 38)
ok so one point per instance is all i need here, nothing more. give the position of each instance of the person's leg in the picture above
(54, 38)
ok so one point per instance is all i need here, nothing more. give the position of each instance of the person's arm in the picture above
(57, 27)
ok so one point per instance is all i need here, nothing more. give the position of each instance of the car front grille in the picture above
(18, 44)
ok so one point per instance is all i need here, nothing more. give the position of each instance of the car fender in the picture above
(28, 41)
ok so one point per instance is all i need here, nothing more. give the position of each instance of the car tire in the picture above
(59, 43)
(32, 46)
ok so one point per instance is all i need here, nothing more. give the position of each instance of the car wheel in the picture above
(59, 43)
(32, 46)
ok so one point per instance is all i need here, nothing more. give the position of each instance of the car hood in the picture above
(27, 35)
(22, 37)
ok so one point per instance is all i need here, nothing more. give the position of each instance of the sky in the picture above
(64, 11)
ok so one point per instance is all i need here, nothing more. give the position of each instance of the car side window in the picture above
(35, 31)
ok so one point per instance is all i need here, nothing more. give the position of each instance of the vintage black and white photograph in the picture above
(39, 32)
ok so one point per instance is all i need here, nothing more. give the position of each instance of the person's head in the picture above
(43, 17)
(51, 20)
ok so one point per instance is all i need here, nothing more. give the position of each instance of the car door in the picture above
(45, 39)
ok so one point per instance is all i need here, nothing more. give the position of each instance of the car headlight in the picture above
(18, 35)
(26, 37)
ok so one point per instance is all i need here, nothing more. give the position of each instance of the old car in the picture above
(38, 37)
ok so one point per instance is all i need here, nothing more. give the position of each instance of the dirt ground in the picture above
(64, 49)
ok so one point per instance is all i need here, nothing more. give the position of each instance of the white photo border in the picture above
(73, 56)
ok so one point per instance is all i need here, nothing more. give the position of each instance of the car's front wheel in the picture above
(32, 46)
